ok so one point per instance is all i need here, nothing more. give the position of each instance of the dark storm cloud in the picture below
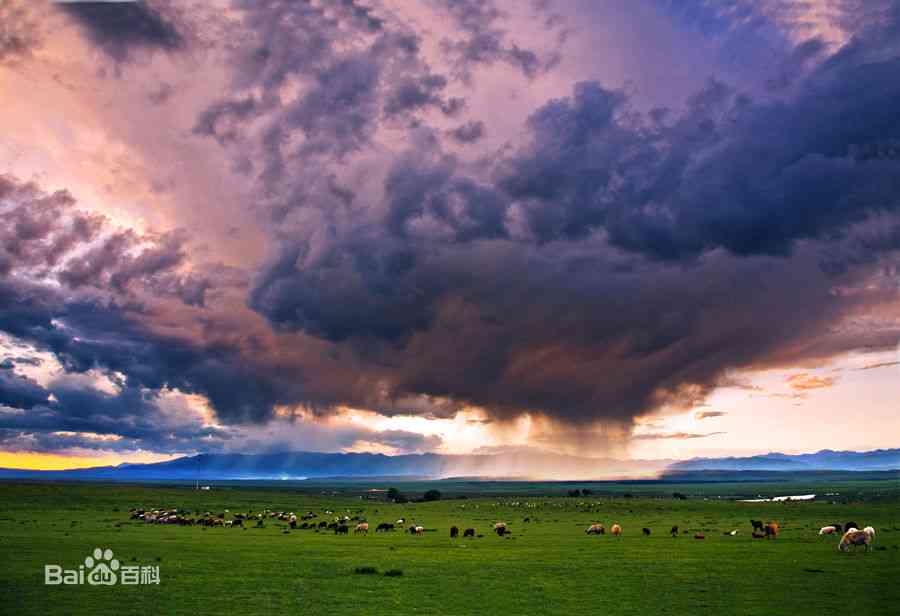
(222, 119)
(485, 40)
(750, 177)
(119, 28)
(46, 235)
(18, 391)
(544, 286)
(470, 132)
(412, 94)
(20, 32)
(81, 416)
(609, 264)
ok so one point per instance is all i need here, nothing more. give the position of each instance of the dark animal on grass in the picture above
(384, 527)
(333, 526)
(850, 525)
(646, 532)
(771, 530)
(595, 529)
(343, 529)
(454, 532)
(469, 532)
(323, 524)
(674, 531)
(757, 524)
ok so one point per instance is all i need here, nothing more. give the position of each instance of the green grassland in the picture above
(547, 566)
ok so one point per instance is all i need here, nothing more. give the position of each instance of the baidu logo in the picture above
(101, 569)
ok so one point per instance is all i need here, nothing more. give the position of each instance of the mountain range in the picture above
(510, 464)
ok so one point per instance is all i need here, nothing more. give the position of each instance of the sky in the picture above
(642, 229)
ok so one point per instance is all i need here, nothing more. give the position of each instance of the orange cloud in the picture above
(805, 381)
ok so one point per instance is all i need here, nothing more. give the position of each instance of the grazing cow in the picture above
(827, 530)
(758, 534)
(323, 524)
(362, 527)
(771, 530)
(616, 530)
(870, 530)
(646, 531)
(454, 532)
(674, 531)
(732, 533)
(400, 522)
(595, 529)
(501, 529)
(343, 529)
(384, 527)
(856, 537)
(469, 532)
(418, 530)
(293, 521)
(850, 526)
(699, 536)
(757, 524)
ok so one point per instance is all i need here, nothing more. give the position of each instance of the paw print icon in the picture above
(102, 568)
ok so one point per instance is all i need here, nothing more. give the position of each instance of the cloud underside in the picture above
(608, 261)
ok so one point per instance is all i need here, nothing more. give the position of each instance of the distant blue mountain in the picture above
(877, 460)
(302, 465)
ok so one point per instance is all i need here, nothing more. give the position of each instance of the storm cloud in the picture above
(120, 28)
(572, 250)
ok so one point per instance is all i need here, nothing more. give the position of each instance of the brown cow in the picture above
(856, 537)
(771, 530)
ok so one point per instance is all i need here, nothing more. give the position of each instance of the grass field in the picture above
(548, 566)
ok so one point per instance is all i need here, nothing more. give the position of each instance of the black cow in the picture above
(850, 525)
(343, 529)
(454, 532)
(674, 531)
(384, 527)
(757, 524)
(469, 532)
(324, 524)
(646, 532)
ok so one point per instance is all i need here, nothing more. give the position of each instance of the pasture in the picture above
(548, 565)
